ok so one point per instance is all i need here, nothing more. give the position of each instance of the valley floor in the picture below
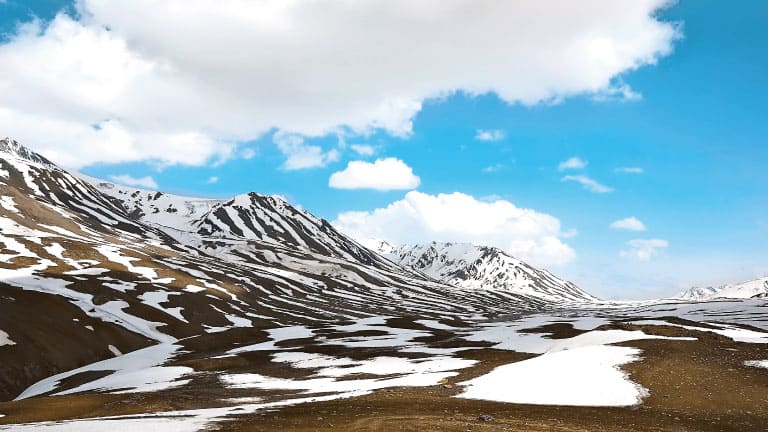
(678, 367)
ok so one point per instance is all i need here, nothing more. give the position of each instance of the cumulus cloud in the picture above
(572, 163)
(300, 155)
(213, 180)
(588, 183)
(631, 224)
(457, 217)
(490, 135)
(644, 249)
(363, 149)
(630, 170)
(383, 174)
(187, 82)
(142, 182)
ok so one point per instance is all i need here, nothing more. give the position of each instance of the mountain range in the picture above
(116, 269)
(756, 288)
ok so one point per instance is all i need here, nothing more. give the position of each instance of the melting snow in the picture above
(588, 376)
(277, 335)
(757, 363)
(7, 203)
(5, 339)
(137, 371)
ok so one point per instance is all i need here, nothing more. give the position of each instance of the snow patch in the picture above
(5, 339)
(588, 376)
(137, 371)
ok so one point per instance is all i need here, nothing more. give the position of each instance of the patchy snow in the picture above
(588, 376)
(142, 424)
(582, 370)
(113, 349)
(168, 421)
(56, 250)
(434, 324)
(737, 334)
(8, 204)
(154, 298)
(410, 375)
(121, 286)
(5, 339)
(194, 289)
(510, 335)
(276, 335)
(337, 367)
(113, 254)
(137, 371)
(393, 337)
(757, 363)
(740, 334)
(90, 271)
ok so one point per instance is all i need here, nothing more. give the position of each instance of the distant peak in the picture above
(12, 147)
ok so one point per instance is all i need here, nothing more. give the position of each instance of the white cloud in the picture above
(383, 174)
(493, 168)
(363, 149)
(142, 182)
(300, 155)
(618, 92)
(644, 249)
(572, 163)
(247, 153)
(490, 135)
(456, 217)
(631, 223)
(213, 180)
(630, 170)
(588, 183)
(161, 87)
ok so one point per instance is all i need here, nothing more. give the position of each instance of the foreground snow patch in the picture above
(5, 339)
(123, 425)
(587, 376)
(757, 363)
(137, 371)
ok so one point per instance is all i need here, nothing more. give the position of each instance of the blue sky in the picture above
(694, 122)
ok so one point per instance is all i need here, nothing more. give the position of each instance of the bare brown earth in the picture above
(694, 386)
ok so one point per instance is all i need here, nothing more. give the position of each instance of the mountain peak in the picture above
(750, 289)
(12, 147)
(477, 267)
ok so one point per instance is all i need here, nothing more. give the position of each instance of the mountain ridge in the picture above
(754, 288)
(480, 267)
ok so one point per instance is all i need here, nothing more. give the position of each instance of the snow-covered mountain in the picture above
(117, 269)
(480, 268)
(255, 217)
(756, 288)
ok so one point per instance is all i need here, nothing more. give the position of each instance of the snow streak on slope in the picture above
(750, 289)
(255, 217)
(481, 267)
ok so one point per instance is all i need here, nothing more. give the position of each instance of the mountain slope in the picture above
(482, 268)
(756, 288)
(263, 218)
(111, 278)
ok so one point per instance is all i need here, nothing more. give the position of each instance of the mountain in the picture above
(90, 270)
(757, 288)
(266, 219)
(473, 267)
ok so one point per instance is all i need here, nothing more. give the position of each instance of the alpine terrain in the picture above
(750, 289)
(129, 309)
